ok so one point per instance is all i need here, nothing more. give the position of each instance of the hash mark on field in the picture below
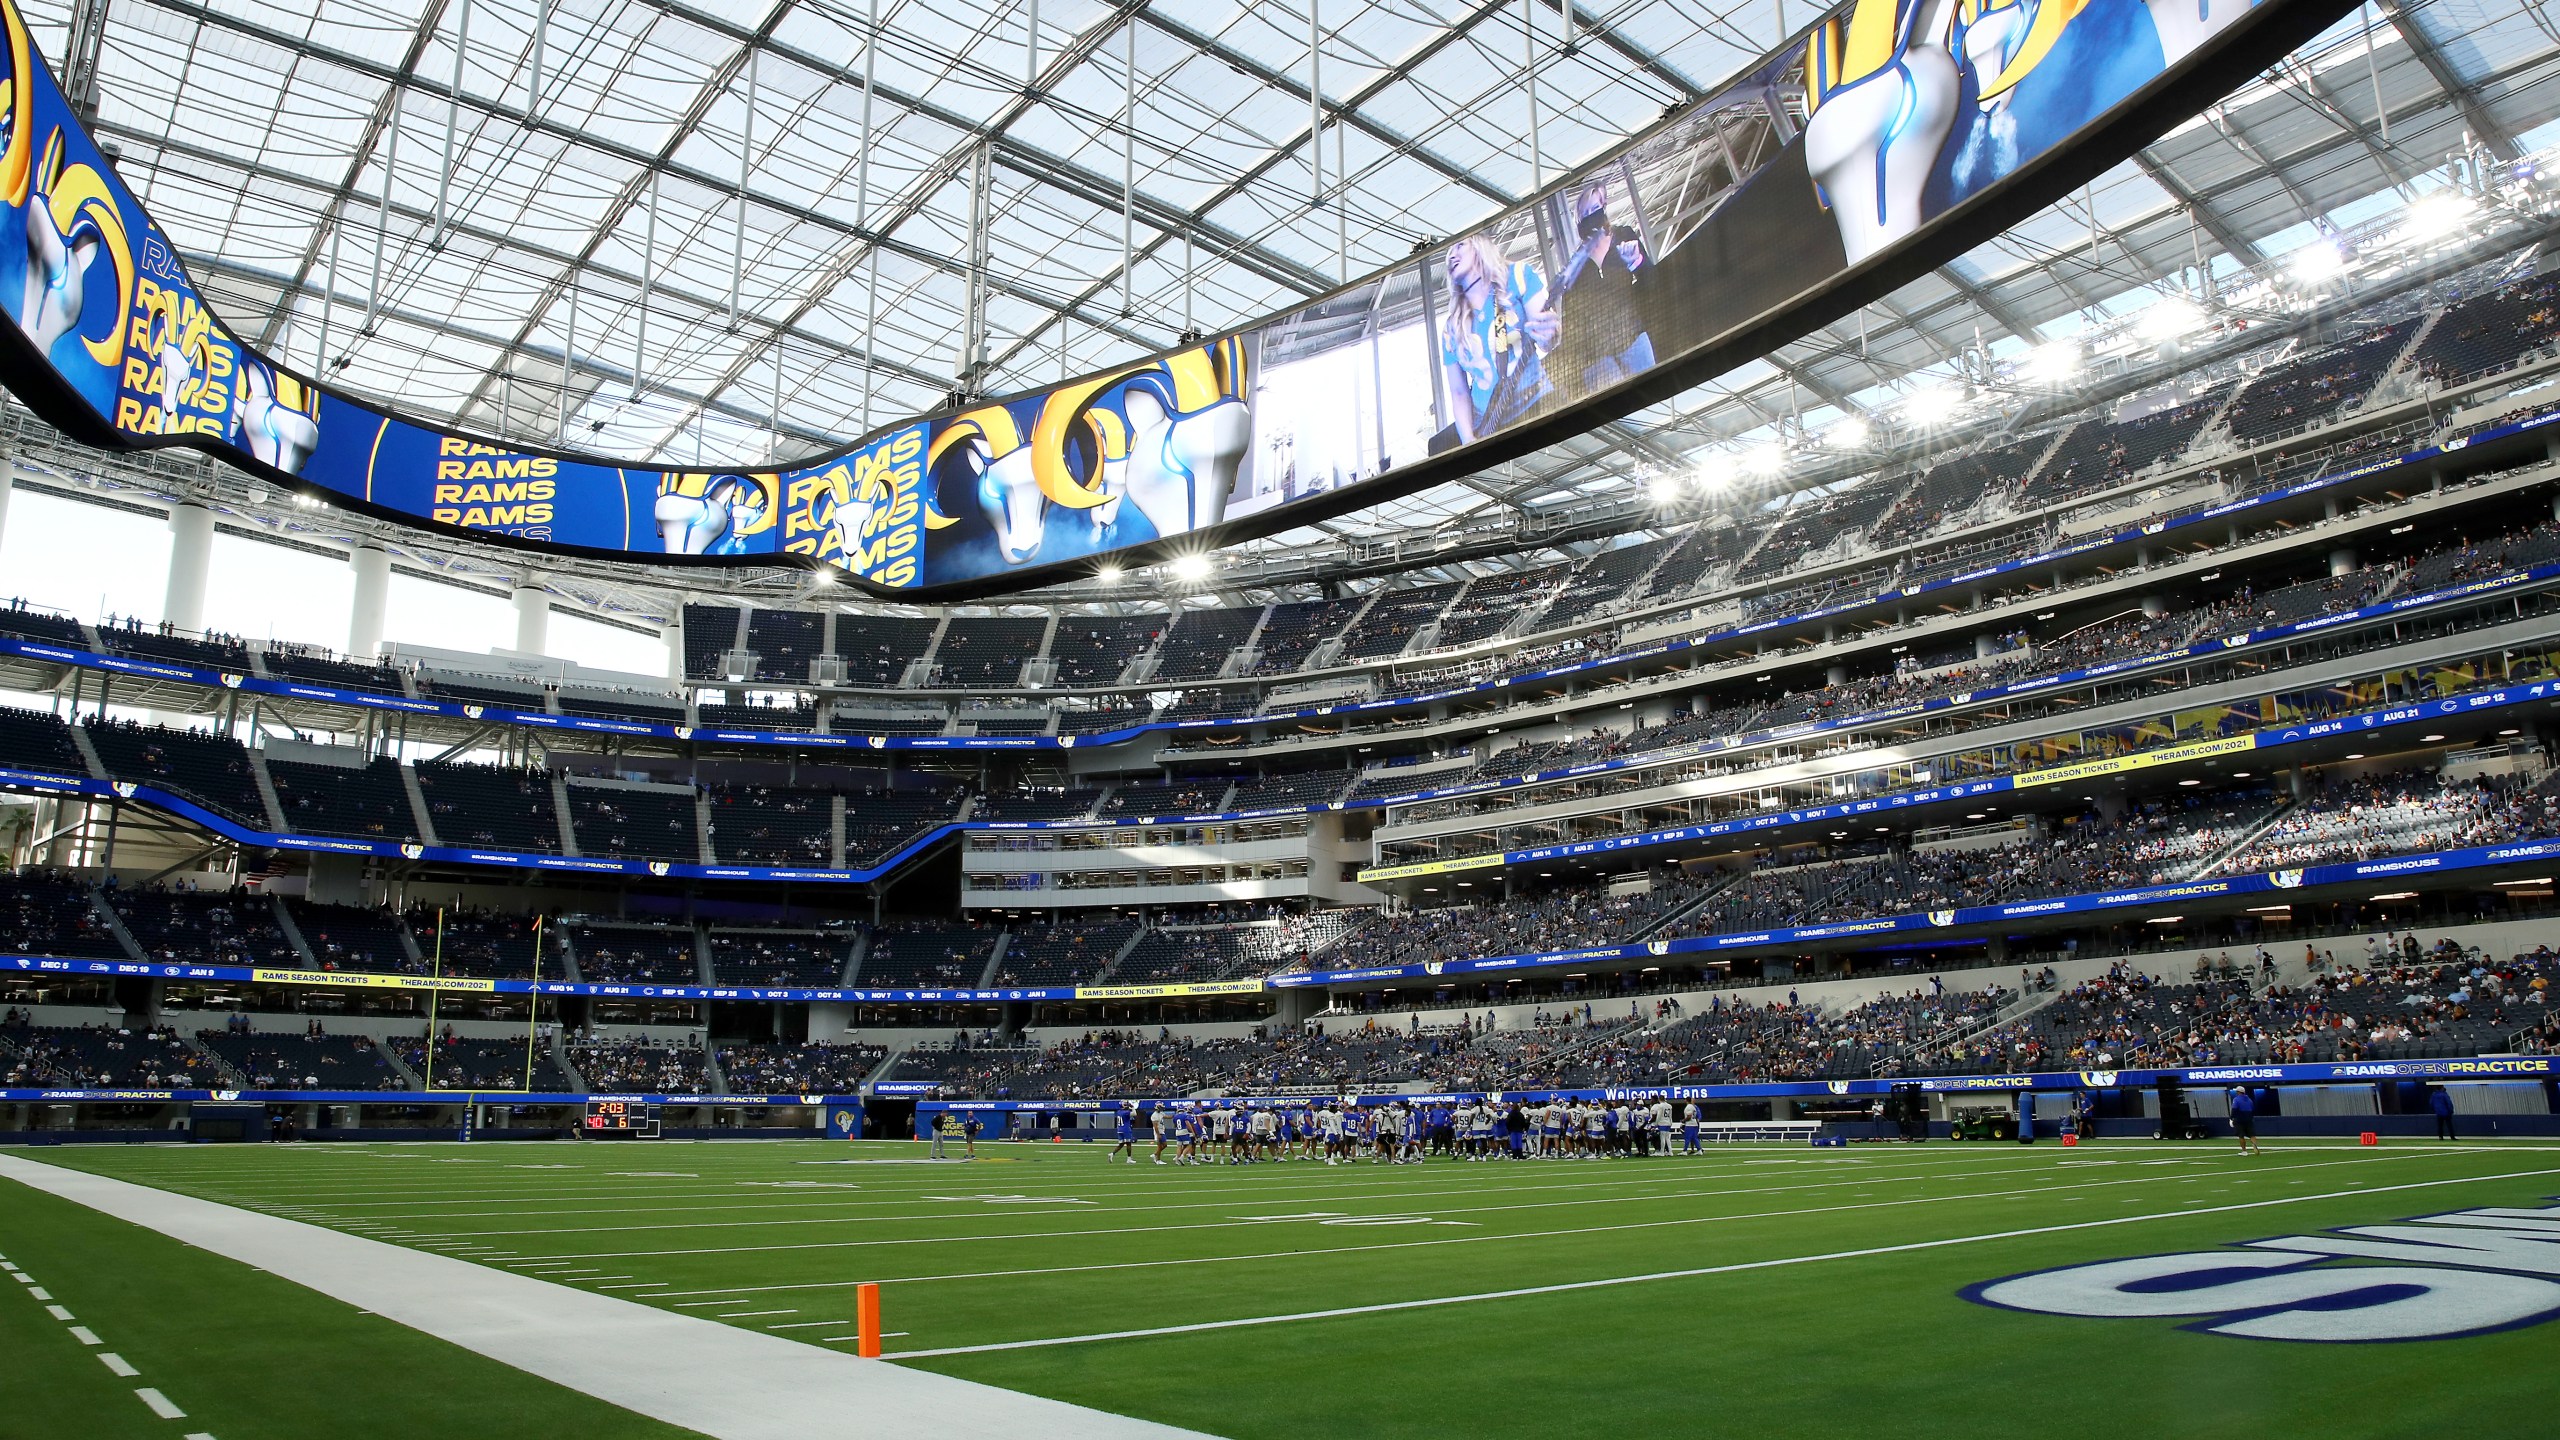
(807, 1324)
(755, 1314)
(116, 1365)
(84, 1335)
(57, 1312)
(159, 1404)
(38, 1292)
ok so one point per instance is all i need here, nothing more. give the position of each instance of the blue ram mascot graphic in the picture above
(1919, 104)
(1165, 437)
(713, 514)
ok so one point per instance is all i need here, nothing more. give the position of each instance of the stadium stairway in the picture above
(919, 672)
(114, 922)
(560, 1057)
(569, 965)
(267, 797)
(213, 1058)
(293, 932)
(399, 1067)
(1663, 923)
(560, 815)
(853, 958)
(835, 832)
(88, 751)
(995, 959)
(702, 821)
(714, 1079)
(418, 804)
(2024, 1004)
(2212, 864)
(702, 962)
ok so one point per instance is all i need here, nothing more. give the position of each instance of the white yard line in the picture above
(1045, 1236)
(725, 1381)
(1568, 1287)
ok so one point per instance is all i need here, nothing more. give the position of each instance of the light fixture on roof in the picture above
(2436, 216)
(1663, 489)
(2320, 260)
(1932, 404)
(1769, 458)
(2054, 361)
(1108, 574)
(2169, 318)
(1193, 567)
(1849, 434)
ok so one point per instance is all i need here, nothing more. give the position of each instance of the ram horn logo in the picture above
(684, 732)
(2098, 1079)
(1836, 1087)
(225, 1094)
(1942, 917)
(472, 711)
(1066, 742)
(414, 852)
(231, 681)
(2285, 879)
(876, 742)
(2234, 642)
(659, 867)
(1431, 967)
(811, 1099)
(126, 788)
(2450, 446)
(1657, 947)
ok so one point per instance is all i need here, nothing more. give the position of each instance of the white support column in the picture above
(372, 567)
(190, 561)
(533, 618)
(673, 637)
(9, 482)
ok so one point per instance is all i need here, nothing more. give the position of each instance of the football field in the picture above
(1753, 1290)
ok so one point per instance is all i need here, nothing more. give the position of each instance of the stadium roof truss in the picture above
(675, 229)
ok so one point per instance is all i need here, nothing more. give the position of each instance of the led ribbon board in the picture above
(1889, 138)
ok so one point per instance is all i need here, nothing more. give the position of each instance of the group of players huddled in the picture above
(1402, 1132)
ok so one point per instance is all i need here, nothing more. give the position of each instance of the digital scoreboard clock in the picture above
(621, 1117)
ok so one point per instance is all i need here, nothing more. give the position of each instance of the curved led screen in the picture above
(1887, 139)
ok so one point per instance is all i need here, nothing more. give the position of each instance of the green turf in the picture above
(1050, 1241)
(243, 1353)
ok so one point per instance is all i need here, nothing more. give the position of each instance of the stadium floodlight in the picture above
(1766, 459)
(1713, 473)
(2171, 318)
(1664, 489)
(2315, 262)
(1849, 434)
(2433, 217)
(1932, 404)
(1108, 574)
(1194, 567)
(2054, 361)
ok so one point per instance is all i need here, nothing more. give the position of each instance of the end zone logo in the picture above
(2439, 1277)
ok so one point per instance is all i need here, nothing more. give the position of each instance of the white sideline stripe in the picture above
(117, 1365)
(159, 1404)
(725, 1381)
(1568, 1287)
